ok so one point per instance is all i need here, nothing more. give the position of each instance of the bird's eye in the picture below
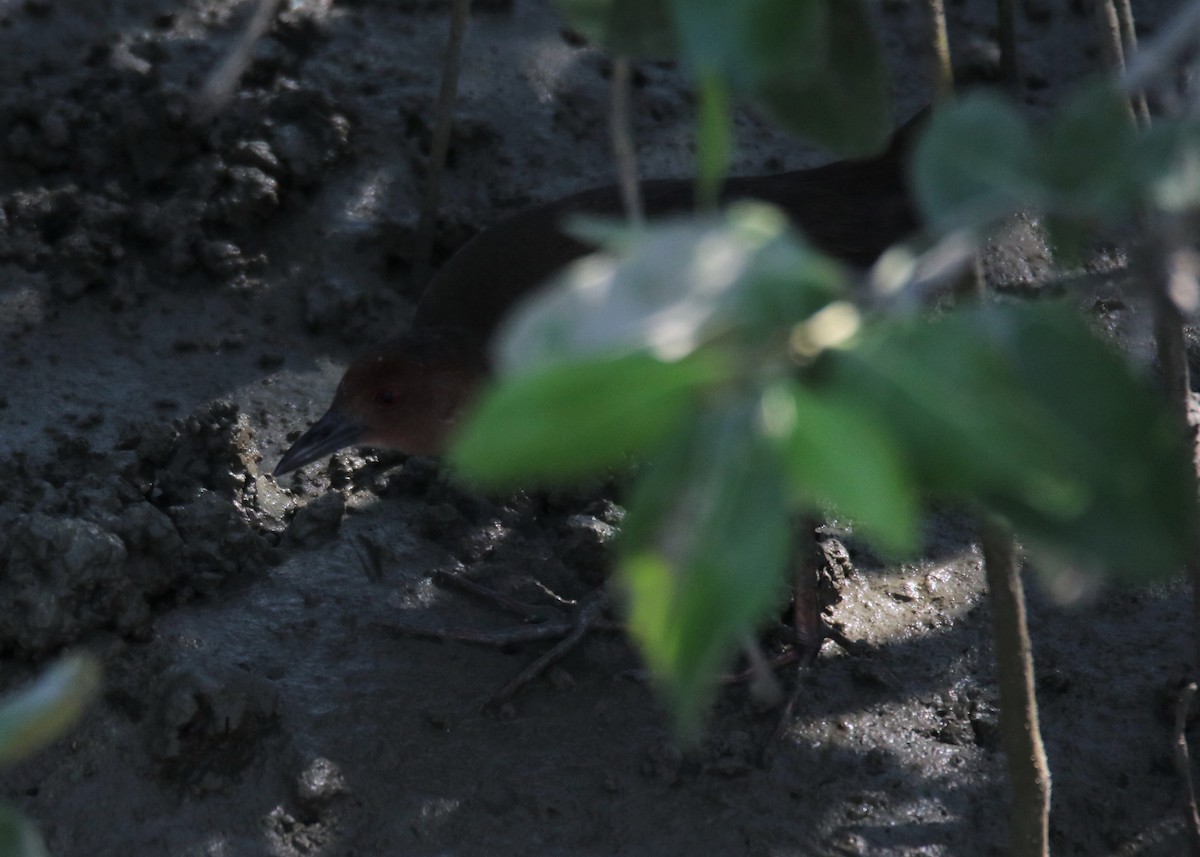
(386, 396)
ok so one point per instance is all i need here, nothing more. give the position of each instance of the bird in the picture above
(409, 393)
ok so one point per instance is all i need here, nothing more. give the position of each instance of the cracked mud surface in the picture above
(177, 300)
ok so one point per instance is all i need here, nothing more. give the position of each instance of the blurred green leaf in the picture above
(36, 715)
(1089, 155)
(704, 551)
(1024, 410)
(1169, 156)
(976, 161)
(841, 103)
(633, 28)
(838, 456)
(675, 286)
(19, 838)
(573, 419)
(815, 65)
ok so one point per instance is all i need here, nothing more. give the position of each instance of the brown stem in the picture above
(622, 141)
(460, 12)
(1111, 43)
(1170, 268)
(1027, 769)
(943, 70)
(1124, 11)
(1184, 769)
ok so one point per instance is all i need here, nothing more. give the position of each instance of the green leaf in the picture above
(1090, 159)
(839, 457)
(703, 553)
(19, 838)
(814, 65)
(976, 162)
(633, 28)
(1168, 156)
(1025, 411)
(674, 287)
(574, 419)
(35, 716)
(841, 103)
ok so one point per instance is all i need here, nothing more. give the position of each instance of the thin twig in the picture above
(439, 147)
(526, 612)
(1141, 109)
(590, 617)
(943, 69)
(1028, 773)
(1184, 769)
(1159, 58)
(1112, 44)
(624, 150)
(219, 86)
(1173, 278)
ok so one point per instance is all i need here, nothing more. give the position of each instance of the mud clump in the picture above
(112, 183)
(101, 541)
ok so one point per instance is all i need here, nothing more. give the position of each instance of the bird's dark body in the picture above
(853, 210)
(407, 394)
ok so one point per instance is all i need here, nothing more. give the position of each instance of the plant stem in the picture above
(1027, 769)
(943, 70)
(1124, 10)
(624, 150)
(1111, 43)
(439, 146)
(1170, 268)
(1183, 767)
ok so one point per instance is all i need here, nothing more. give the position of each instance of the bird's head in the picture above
(407, 394)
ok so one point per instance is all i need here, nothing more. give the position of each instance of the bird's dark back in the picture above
(853, 210)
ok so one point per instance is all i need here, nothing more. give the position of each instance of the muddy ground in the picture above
(176, 301)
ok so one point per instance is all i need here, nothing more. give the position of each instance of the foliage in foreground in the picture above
(29, 720)
(752, 382)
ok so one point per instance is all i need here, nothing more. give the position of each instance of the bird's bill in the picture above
(327, 435)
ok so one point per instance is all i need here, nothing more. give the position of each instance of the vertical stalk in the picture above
(1124, 11)
(1169, 273)
(624, 150)
(1111, 43)
(943, 69)
(460, 12)
(1027, 769)
(1183, 768)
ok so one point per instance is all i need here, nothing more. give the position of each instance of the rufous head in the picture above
(407, 394)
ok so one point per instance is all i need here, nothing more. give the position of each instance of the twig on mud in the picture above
(219, 87)
(590, 618)
(1183, 767)
(568, 632)
(439, 147)
(526, 612)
